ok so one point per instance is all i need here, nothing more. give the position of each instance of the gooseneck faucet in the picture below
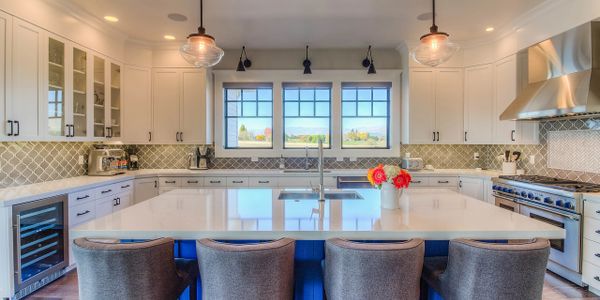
(306, 163)
(321, 166)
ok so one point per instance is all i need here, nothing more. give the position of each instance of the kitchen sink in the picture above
(299, 195)
(304, 171)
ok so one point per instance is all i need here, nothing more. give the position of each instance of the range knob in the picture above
(548, 200)
(530, 195)
(495, 187)
(558, 203)
(505, 190)
(510, 191)
(568, 205)
(537, 198)
(523, 194)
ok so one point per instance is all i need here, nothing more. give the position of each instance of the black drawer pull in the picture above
(443, 181)
(215, 181)
(597, 255)
(192, 181)
(260, 181)
(235, 181)
(125, 186)
(82, 197)
(597, 231)
(83, 213)
(173, 181)
(597, 278)
(598, 211)
(107, 191)
(415, 181)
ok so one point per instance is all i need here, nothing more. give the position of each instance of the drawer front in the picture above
(591, 209)
(79, 198)
(82, 213)
(192, 182)
(109, 190)
(262, 182)
(215, 182)
(591, 275)
(289, 182)
(419, 181)
(237, 181)
(164, 182)
(591, 252)
(591, 229)
(164, 190)
(443, 181)
(124, 187)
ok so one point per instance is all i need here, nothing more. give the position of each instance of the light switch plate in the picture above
(476, 156)
(80, 160)
(254, 159)
(532, 159)
(407, 154)
(352, 158)
(339, 158)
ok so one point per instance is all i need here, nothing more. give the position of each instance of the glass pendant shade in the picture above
(201, 50)
(434, 49)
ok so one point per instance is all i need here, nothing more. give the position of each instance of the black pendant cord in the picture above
(433, 17)
(306, 52)
(201, 14)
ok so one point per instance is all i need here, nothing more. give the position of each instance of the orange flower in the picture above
(402, 180)
(379, 175)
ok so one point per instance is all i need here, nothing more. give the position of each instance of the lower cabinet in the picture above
(591, 245)
(144, 189)
(472, 187)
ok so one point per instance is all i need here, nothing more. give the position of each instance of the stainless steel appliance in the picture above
(40, 242)
(562, 77)
(198, 160)
(106, 162)
(412, 164)
(554, 201)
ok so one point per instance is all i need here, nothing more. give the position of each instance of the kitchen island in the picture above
(249, 215)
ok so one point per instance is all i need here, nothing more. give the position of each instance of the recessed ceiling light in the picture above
(169, 37)
(489, 29)
(112, 19)
(177, 17)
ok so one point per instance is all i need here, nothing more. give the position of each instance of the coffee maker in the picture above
(199, 159)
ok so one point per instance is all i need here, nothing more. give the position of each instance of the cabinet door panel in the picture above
(479, 109)
(421, 107)
(26, 71)
(193, 110)
(472, 187)
(137, 107)
(449, 106)
(505, 132)
(166, 85)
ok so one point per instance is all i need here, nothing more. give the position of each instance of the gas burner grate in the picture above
(557, 183)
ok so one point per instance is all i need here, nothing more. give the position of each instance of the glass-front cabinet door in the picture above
(80, 93)
(115, 101)
(100, 126)
(56, 88)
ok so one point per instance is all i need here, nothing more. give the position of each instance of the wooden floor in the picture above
(555, 288)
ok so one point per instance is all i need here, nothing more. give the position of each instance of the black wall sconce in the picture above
(243, 64)
(306, 63)
(368, 62)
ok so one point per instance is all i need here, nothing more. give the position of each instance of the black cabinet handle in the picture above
(107, 191)
(73, 130)
(598, 211)
(465, 136)
(155, 184)
(415, 181)
(438, 136)
(597, 255)
(192, 181)
(434, 136)
(11, 123)
(443, 181)
(597, 231)
(82, 197)
(83, 213)
(171, 181)
(115, 203)
(267, 181)
(119, 200)
(149, 136)
(512, 135)
(460, 184)
(215, 181)
(181, 136)
(597, 278)
(237, 181)
(18, 128)
(125, 186)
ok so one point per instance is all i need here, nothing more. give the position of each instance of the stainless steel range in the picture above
(554, 201)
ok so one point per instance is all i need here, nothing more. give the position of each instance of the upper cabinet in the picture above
(479, 104)
(137, 124)
(114, 113)
(434, 111)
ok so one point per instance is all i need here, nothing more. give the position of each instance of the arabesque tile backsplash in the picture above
(32, 162)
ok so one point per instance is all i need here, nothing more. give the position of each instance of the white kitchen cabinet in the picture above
(137, 105)
(122, 200)
(114, 117)
(472, 187)
(479, 104)
(434, 111)
(144, 189)
(182, 107)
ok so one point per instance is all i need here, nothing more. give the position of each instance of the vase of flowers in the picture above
(390, 180)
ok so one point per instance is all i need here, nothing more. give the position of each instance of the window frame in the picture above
(336, 77)
(303, 85)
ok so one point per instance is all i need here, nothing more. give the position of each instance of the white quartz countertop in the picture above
(433, 214)
(31, 192)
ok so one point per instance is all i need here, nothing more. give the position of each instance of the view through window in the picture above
(365, 115)
(248, 115)
(306, 114)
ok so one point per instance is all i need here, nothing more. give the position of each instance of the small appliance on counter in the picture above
(199, 159)
(132, 158)
(106, 162)
(412, 164)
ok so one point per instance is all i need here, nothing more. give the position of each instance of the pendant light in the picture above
(368, 62)
(201, 49)
(243, 64)
(306, 63)
(435, 47)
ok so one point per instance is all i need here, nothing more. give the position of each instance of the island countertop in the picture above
(247, 214)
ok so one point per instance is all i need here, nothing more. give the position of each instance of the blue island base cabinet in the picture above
(308, 275)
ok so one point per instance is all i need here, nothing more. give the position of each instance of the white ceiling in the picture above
(320, 23)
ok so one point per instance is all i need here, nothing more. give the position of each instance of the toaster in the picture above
(412, 163)
(106, 162)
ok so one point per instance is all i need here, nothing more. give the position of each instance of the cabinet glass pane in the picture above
(115, 100)
(79, 92)
(56, 87)
(99, 97)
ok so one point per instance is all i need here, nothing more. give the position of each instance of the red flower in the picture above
(379, 175)
(402, 180)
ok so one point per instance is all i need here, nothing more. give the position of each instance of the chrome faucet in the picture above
(306, 161)
(321, 166)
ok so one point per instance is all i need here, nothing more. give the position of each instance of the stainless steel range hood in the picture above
(563, 77)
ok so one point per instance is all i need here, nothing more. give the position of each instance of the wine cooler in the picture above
(40, 239)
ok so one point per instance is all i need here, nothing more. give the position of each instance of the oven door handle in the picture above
(554, 211)
(505, 198)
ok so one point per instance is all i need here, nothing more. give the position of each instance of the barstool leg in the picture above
(194, 289)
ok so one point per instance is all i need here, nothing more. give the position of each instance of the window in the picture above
(365, 115)
(306, 114)
(248, 115)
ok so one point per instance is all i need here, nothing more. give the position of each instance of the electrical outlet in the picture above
(476, 156)
(352, 158)
(81, 160)
(407, 154)
(339, 158)
(532, 159)
(254, 159)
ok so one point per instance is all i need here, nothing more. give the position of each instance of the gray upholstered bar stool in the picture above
(144, 270)
(373, 270)
(246, 271)
(478, 270)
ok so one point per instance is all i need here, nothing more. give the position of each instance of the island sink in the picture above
(307, 195)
